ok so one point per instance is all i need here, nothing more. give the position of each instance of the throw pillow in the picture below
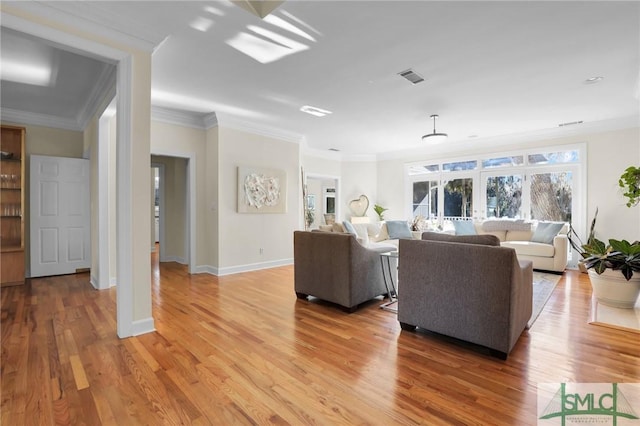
(464, 227)
(546, 231)
(398, 229)
(348, 226)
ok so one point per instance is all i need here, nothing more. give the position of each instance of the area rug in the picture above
(621, 319)
(543, 286)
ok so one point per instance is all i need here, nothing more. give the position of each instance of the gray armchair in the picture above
(335, 267)
(468, 288)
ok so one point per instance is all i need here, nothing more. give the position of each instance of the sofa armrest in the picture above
(561, 248)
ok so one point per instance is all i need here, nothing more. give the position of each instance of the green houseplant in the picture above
(630, 183)
(614, 271)
(379, 211)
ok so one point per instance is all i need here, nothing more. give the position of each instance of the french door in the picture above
(536, 194)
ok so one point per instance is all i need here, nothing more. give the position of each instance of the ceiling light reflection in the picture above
(279, 22)
(315, 111)
(201, 24)
(188, 103)
(38, 75)
(300, 21)
(265, 51)
(214, 11)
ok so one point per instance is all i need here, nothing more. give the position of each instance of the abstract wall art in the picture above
(261, 190)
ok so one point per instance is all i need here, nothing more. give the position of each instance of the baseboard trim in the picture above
(253, 267)
(96, 284)
(112, 282)
(177, 259)
(142, 326)
(206, 269)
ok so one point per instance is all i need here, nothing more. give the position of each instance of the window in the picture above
(540, 184)
(551, 196)
(570, 156)
(503, 196)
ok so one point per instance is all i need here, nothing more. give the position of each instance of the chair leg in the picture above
(407, 327)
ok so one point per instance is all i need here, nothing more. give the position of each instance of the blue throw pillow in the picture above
(464, 227)
(398, 229)
(349, 227)
(546, 231)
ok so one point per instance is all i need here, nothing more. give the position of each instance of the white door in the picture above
(60, 217)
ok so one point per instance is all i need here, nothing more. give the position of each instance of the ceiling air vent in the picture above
(570, 123)
(412, 76)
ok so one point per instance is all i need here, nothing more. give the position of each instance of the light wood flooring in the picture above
(242, 350)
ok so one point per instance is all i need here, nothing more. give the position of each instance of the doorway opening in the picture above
(322, 200)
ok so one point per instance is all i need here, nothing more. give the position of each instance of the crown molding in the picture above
(210, 120)
(35, 119)
(195, 120)
(94, 19)
(105, 87)
(267, 131)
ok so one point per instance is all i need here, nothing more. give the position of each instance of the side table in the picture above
(387, 275)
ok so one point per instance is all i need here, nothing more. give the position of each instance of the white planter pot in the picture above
(612, 289)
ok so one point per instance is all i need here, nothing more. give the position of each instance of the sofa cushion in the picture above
(384, 246)
(531, 248)
(348, 227)
(546, 231)
(506, 225)
(487, 240)
(464, 227)
(518, 235)
(398, 229)
(337, 227)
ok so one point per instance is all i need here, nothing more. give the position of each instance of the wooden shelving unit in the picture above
(12, 194)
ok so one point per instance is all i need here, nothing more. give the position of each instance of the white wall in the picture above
(243, 235)
(211, 203)
(181, 141)
(357, 178)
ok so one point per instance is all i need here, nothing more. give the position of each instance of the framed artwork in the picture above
(262, 190)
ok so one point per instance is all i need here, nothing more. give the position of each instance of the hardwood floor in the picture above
(241, 349)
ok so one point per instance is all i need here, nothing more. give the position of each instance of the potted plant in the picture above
(379, 211)
(611, 269)
(630, 183)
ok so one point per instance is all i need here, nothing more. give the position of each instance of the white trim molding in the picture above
(196, 120)
(142, 326)
(95, 18)
(231, 122)
(250, 267)
(35, 119)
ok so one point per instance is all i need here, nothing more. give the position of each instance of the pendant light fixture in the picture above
(435, 137)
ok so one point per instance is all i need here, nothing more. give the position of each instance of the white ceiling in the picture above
(493, 70)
